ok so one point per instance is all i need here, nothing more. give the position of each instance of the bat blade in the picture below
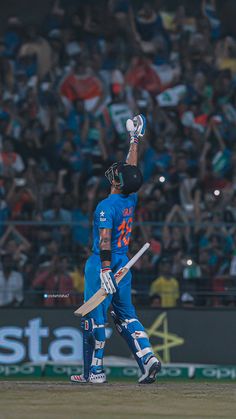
(98, 297)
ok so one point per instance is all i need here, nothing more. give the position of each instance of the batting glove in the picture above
(136, 127)
(108, 282)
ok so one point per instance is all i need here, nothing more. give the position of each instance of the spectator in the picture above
(166, 286)
(55, 284)
(175, 238)
(67, 87)
(77, 276)
(78, 279)
(4, 210)
(80, 217)
(57, 213)
(16, 245)
(11, 162)
(11, 283)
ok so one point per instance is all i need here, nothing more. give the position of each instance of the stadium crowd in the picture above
(66, 90)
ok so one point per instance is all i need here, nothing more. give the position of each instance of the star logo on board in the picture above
(159, 329)
(102, 213)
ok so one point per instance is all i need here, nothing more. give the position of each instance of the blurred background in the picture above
(71, 73)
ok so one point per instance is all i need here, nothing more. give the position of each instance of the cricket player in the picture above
(113, 220)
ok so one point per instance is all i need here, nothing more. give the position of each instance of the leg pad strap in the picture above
(144, 352)
(99, 344)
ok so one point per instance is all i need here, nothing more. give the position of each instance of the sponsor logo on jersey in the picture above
(102, 218)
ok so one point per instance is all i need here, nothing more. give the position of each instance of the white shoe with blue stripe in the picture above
(152, 367)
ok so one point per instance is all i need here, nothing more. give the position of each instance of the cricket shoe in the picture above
(152, 366)
(97, 378)
(78, 379)
(94, 378)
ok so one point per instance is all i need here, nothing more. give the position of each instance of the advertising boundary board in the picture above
(189, 336)
(119, 373)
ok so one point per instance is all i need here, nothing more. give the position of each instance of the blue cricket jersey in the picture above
(117, 213)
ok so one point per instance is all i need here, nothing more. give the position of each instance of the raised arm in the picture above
(136, 129)
(166, 228)
(132, 157)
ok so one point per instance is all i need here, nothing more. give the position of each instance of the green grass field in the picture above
(49, 400)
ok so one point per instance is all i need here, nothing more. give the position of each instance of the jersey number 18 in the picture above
(125, 229)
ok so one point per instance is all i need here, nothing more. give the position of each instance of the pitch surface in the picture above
(49, 400)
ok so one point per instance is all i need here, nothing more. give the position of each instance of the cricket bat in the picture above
(101, 294)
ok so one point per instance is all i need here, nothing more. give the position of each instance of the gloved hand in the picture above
(108, 281)
(136, 127)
